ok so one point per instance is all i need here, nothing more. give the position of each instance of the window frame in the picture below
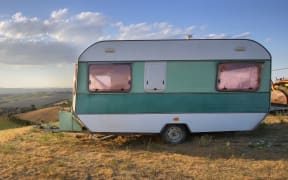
(259, 67)
(115, 90)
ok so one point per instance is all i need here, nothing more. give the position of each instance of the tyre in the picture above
(174, 134)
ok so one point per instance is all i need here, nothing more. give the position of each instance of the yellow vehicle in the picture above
(279, 93)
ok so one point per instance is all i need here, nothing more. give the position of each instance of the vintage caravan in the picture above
(171, 87)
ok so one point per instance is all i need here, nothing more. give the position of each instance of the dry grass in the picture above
(261, 154)
(45, 115)
(10, 134)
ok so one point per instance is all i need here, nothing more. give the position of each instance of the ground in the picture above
(39, 154)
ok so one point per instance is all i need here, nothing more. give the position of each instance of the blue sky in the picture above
(40, 40)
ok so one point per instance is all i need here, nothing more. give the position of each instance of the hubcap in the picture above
(175, 134)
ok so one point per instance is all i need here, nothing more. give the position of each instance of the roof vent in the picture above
(188, 36)
(240, 49)
(109, 50)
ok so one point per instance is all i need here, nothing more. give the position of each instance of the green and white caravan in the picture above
(171, 87)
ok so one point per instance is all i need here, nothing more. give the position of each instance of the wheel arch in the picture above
(180, 124)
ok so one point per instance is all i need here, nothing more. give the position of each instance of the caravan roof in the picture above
(157, 50)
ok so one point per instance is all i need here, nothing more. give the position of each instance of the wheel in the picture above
(174, 134)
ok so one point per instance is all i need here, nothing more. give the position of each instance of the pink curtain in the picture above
(109, 77)
(236, 76)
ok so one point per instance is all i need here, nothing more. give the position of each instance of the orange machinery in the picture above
(279, 92)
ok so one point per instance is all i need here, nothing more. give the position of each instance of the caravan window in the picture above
(238, 77)
(109, 77)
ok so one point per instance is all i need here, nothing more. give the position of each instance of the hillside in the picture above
(10, 134)
(38, 99)
(45, 115)
(17, 91)
(37, 154)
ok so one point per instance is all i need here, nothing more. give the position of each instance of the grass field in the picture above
(6, 123)
(10, 122)
(37, 154)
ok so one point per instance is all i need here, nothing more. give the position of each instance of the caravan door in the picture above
(154, 76)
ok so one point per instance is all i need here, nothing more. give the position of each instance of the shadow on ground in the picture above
(267, 142)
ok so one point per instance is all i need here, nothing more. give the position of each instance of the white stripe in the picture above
(153, 123)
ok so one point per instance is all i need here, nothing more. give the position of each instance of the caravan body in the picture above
(141, 86)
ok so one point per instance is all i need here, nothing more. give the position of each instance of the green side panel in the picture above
(265, 84)
(191, 76)
(196, 76)
(67, 123)
(190, 88)
(172, 103)
(82, 79)
(200, 76)
(137, 77)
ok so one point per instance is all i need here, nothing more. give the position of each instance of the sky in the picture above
(40, 41)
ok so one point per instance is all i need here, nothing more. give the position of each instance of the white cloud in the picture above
(218, 36)
(226, 36)
(242, 35)
(268, 40)
(59, 14)
(60, 38)
(151, 31)
(35, 53)
(61, 27)
(18, 17)
(19, 27)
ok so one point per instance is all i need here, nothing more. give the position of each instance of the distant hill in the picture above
(19, 98)
(32, 90)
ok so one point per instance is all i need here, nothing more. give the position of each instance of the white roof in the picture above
(193, 49)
